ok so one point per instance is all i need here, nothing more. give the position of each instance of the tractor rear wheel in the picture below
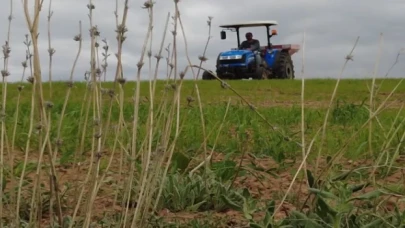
(285, 67)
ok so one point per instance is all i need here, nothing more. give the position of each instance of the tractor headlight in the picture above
(229, 57)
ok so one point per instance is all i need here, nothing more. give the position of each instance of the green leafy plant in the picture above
(346, 113)
(243, 202)
(337, 204)
(196, 193)
(267, 221)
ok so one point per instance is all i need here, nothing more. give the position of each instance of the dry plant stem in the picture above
(303, 106)
(169, 117)
(108, 122)
(36, 195)
(174, 50)
(119, 132)
(348, 57)
(168, 72)
(13, 194)
(54, 184)
(205, 48)
(145, 171)
(149, 164)
(169, 153)
(158, 58)
(135, 126)
(159, 55)
(33, 28)
(120, 29)
(119, 56)
(31, 125)
(197, 92)
(82, 126)
(28, 56)
(12, 177)
(6, 52)
(70, 85)
(80, 196)
(176, 100)
(97, 130)
(168, 150)
(296, 174)
(3, 145)
(27, 148)
(51, 51)
(370, 132)
(150, 123)
(83, 129)
(154, 178)
(116, 140)
(24, 64)
(109, 93)
(92, 87)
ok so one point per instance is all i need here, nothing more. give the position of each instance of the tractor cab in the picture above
(236, 28)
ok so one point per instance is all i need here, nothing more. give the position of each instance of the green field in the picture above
(254, 151)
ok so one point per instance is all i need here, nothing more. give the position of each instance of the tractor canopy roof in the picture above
(250, 24)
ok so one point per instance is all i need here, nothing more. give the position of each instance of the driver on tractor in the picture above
(253, 45)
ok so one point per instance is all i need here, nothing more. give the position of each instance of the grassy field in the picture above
(254, 152)
(181, 153)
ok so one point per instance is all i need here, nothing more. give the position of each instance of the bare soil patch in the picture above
(269, 180)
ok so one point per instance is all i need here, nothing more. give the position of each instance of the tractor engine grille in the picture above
(233, 61)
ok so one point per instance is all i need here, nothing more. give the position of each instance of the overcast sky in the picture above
(331, 30)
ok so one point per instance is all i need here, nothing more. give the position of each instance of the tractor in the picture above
(276, 62)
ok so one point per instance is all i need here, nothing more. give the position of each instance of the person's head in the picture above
(249, 36)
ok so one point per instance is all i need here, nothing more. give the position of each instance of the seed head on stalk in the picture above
(5, 73)
(148, 4)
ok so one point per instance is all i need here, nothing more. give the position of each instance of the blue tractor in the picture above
(274, 60)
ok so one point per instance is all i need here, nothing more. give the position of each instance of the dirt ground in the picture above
(262, 185)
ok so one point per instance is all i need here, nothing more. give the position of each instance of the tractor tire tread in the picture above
(284, 59)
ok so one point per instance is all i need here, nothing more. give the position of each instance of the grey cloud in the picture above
(331, 29)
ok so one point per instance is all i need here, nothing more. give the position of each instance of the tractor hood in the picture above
(233, 54)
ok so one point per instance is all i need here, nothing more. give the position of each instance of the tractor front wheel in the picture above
(207, 76)
(261, 73)
(285, 67)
